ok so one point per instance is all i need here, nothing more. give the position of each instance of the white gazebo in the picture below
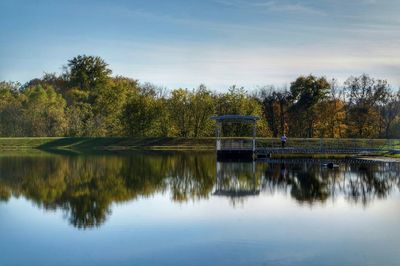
(235, 147)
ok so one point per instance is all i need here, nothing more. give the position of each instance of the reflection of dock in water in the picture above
(321, 161)
(237, 180)
(236, 193)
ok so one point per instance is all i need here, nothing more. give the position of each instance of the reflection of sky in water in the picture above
(269, 229)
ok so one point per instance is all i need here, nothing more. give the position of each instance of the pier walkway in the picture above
(299, 150)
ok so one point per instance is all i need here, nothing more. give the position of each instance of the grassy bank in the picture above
(175, 143)
(107, 143)
(23, 143)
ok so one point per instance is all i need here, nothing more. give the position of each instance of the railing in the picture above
(236, 144)
(294, 145)
(330, 144)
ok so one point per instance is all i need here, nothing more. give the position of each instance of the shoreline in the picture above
(130, 144)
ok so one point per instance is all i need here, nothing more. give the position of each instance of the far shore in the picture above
(385, 148)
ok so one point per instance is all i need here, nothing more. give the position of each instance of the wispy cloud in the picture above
(367, 1)
(289, 7)
(273, 6)
(219, 66)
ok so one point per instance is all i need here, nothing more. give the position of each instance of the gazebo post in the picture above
(254, 136)
(218, 127)
(235, 148)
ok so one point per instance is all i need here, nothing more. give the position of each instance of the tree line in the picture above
(86, 100)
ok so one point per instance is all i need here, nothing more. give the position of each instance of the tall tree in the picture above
(306, 93)
(10, 110)
(87, 72)
(364, 94)
(43, 112)
(110, 100)
(238, 101)
(180, 109)
(275, 105)
(141, 111)
(390, 111)
(202, 105)
(332, 113)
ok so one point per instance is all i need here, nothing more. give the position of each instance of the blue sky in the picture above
(216, 42)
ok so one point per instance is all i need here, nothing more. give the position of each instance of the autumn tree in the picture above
(364, 94)
(389, 112)
(332, 113)
(275, 105)
(85, 100)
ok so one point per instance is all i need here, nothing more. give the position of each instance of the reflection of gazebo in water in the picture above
(237, 180)
(231, 140)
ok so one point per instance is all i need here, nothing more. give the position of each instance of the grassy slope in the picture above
(107, 143)
(169, 143)
(23, 143)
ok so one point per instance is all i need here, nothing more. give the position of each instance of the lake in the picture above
(185, 208)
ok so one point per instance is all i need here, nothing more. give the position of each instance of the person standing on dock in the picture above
(283, 140)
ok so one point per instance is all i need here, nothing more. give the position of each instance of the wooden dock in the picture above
(297, 150)
(236, 147)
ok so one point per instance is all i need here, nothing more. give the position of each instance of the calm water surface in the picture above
(188, 209)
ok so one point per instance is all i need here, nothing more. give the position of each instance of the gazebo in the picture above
(235, 147)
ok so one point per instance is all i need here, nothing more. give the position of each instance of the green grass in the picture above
(175, 143)
(107, 143)
(124, 143)
(23, 143)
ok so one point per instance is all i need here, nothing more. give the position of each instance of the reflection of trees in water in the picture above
(85, 187)
(191, 177)
(368, 182)
(311, 183)
(308, 187)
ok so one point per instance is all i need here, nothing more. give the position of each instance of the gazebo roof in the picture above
(243, 118)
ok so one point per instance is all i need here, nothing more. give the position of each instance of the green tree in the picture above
(10, 110)
(87, 72)
(180, 110)
(59, 83)
(306, 93)
(202, 107)
(80, 120)
(43, 112)
(110, 101)
(238, 101)
(141, 112)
